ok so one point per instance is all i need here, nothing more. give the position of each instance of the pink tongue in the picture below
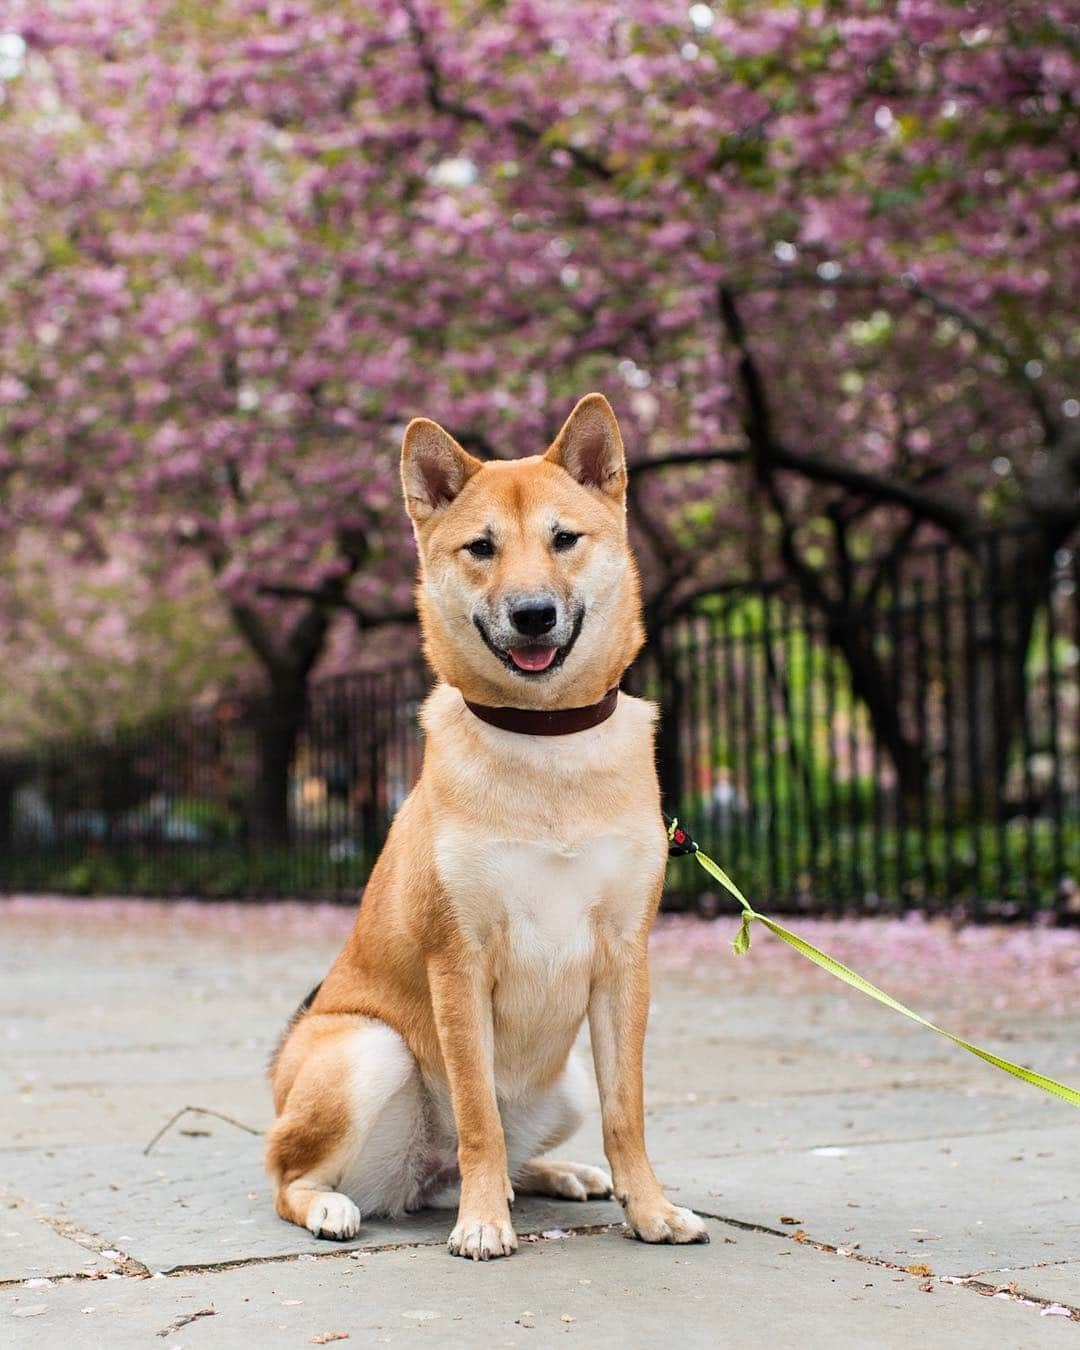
(532, 658)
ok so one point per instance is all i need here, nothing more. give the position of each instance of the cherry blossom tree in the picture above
(821, 256)
(92, 646)
(850, 234)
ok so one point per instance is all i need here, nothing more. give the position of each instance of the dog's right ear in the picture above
(434, 468)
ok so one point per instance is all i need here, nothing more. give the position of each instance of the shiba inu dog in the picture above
(518, 883)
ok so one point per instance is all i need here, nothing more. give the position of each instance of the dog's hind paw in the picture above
(333, 1216)
(565, 1181)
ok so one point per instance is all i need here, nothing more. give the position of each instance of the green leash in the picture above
(680, 843)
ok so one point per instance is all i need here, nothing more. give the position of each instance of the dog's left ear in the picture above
(590, 448)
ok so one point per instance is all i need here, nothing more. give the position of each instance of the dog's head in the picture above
(528, 593)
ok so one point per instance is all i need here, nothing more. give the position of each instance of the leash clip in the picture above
(680, 843)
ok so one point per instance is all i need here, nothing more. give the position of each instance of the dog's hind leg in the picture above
(344, 1083)
(544, 1123)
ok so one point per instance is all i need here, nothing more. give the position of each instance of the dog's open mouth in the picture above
(533, 659)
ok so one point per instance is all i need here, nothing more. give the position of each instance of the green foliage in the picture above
(212, 821)
(984, 870)
(305, 871)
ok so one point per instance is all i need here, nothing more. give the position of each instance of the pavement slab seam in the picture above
(129, 1267)
(352, 1253)
(1016, 1294)
(973, 1281)
(1012, 1290)
(91, 1242)
(73, 1277)
(1032, 1265)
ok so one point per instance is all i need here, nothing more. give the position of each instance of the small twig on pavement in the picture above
(202, 1111)
(188, 1317)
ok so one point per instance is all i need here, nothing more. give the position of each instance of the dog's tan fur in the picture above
(515, 892)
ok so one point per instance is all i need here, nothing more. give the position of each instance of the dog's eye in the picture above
(481, 548)
(564, 539)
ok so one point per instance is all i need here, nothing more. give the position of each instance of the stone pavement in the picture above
(867, 1183)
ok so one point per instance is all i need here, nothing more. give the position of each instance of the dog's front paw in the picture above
(665, 1222)
(482, 1239)
(331, 1215)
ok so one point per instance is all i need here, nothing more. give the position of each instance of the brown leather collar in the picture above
(547, 721)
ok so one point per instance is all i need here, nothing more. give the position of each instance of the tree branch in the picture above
(771, 454)
(254, 630)
(928, 506)
(734, 452)
(886, 565)
(464, 112)
(990, 341)
(305, 642)
(318, 596)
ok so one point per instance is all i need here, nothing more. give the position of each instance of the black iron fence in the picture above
(910, 740)
(917, 747)
(169, 808)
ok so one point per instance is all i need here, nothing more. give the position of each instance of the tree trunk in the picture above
(9, 780)
(852, 635)
(1015, 573)
(992, 632)
(280, 714)
(279, 720)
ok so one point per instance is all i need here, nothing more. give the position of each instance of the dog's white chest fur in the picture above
(538, 905)
(557, 849)
(543, 895)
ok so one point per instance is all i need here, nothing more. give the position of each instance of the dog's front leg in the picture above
(618, 1013)
(461, 999)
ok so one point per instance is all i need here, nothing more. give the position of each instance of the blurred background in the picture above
(822, 258)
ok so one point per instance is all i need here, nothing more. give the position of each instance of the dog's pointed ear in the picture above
(434, 468)
(590, 448)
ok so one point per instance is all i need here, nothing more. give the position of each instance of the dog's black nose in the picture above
(534, 620)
